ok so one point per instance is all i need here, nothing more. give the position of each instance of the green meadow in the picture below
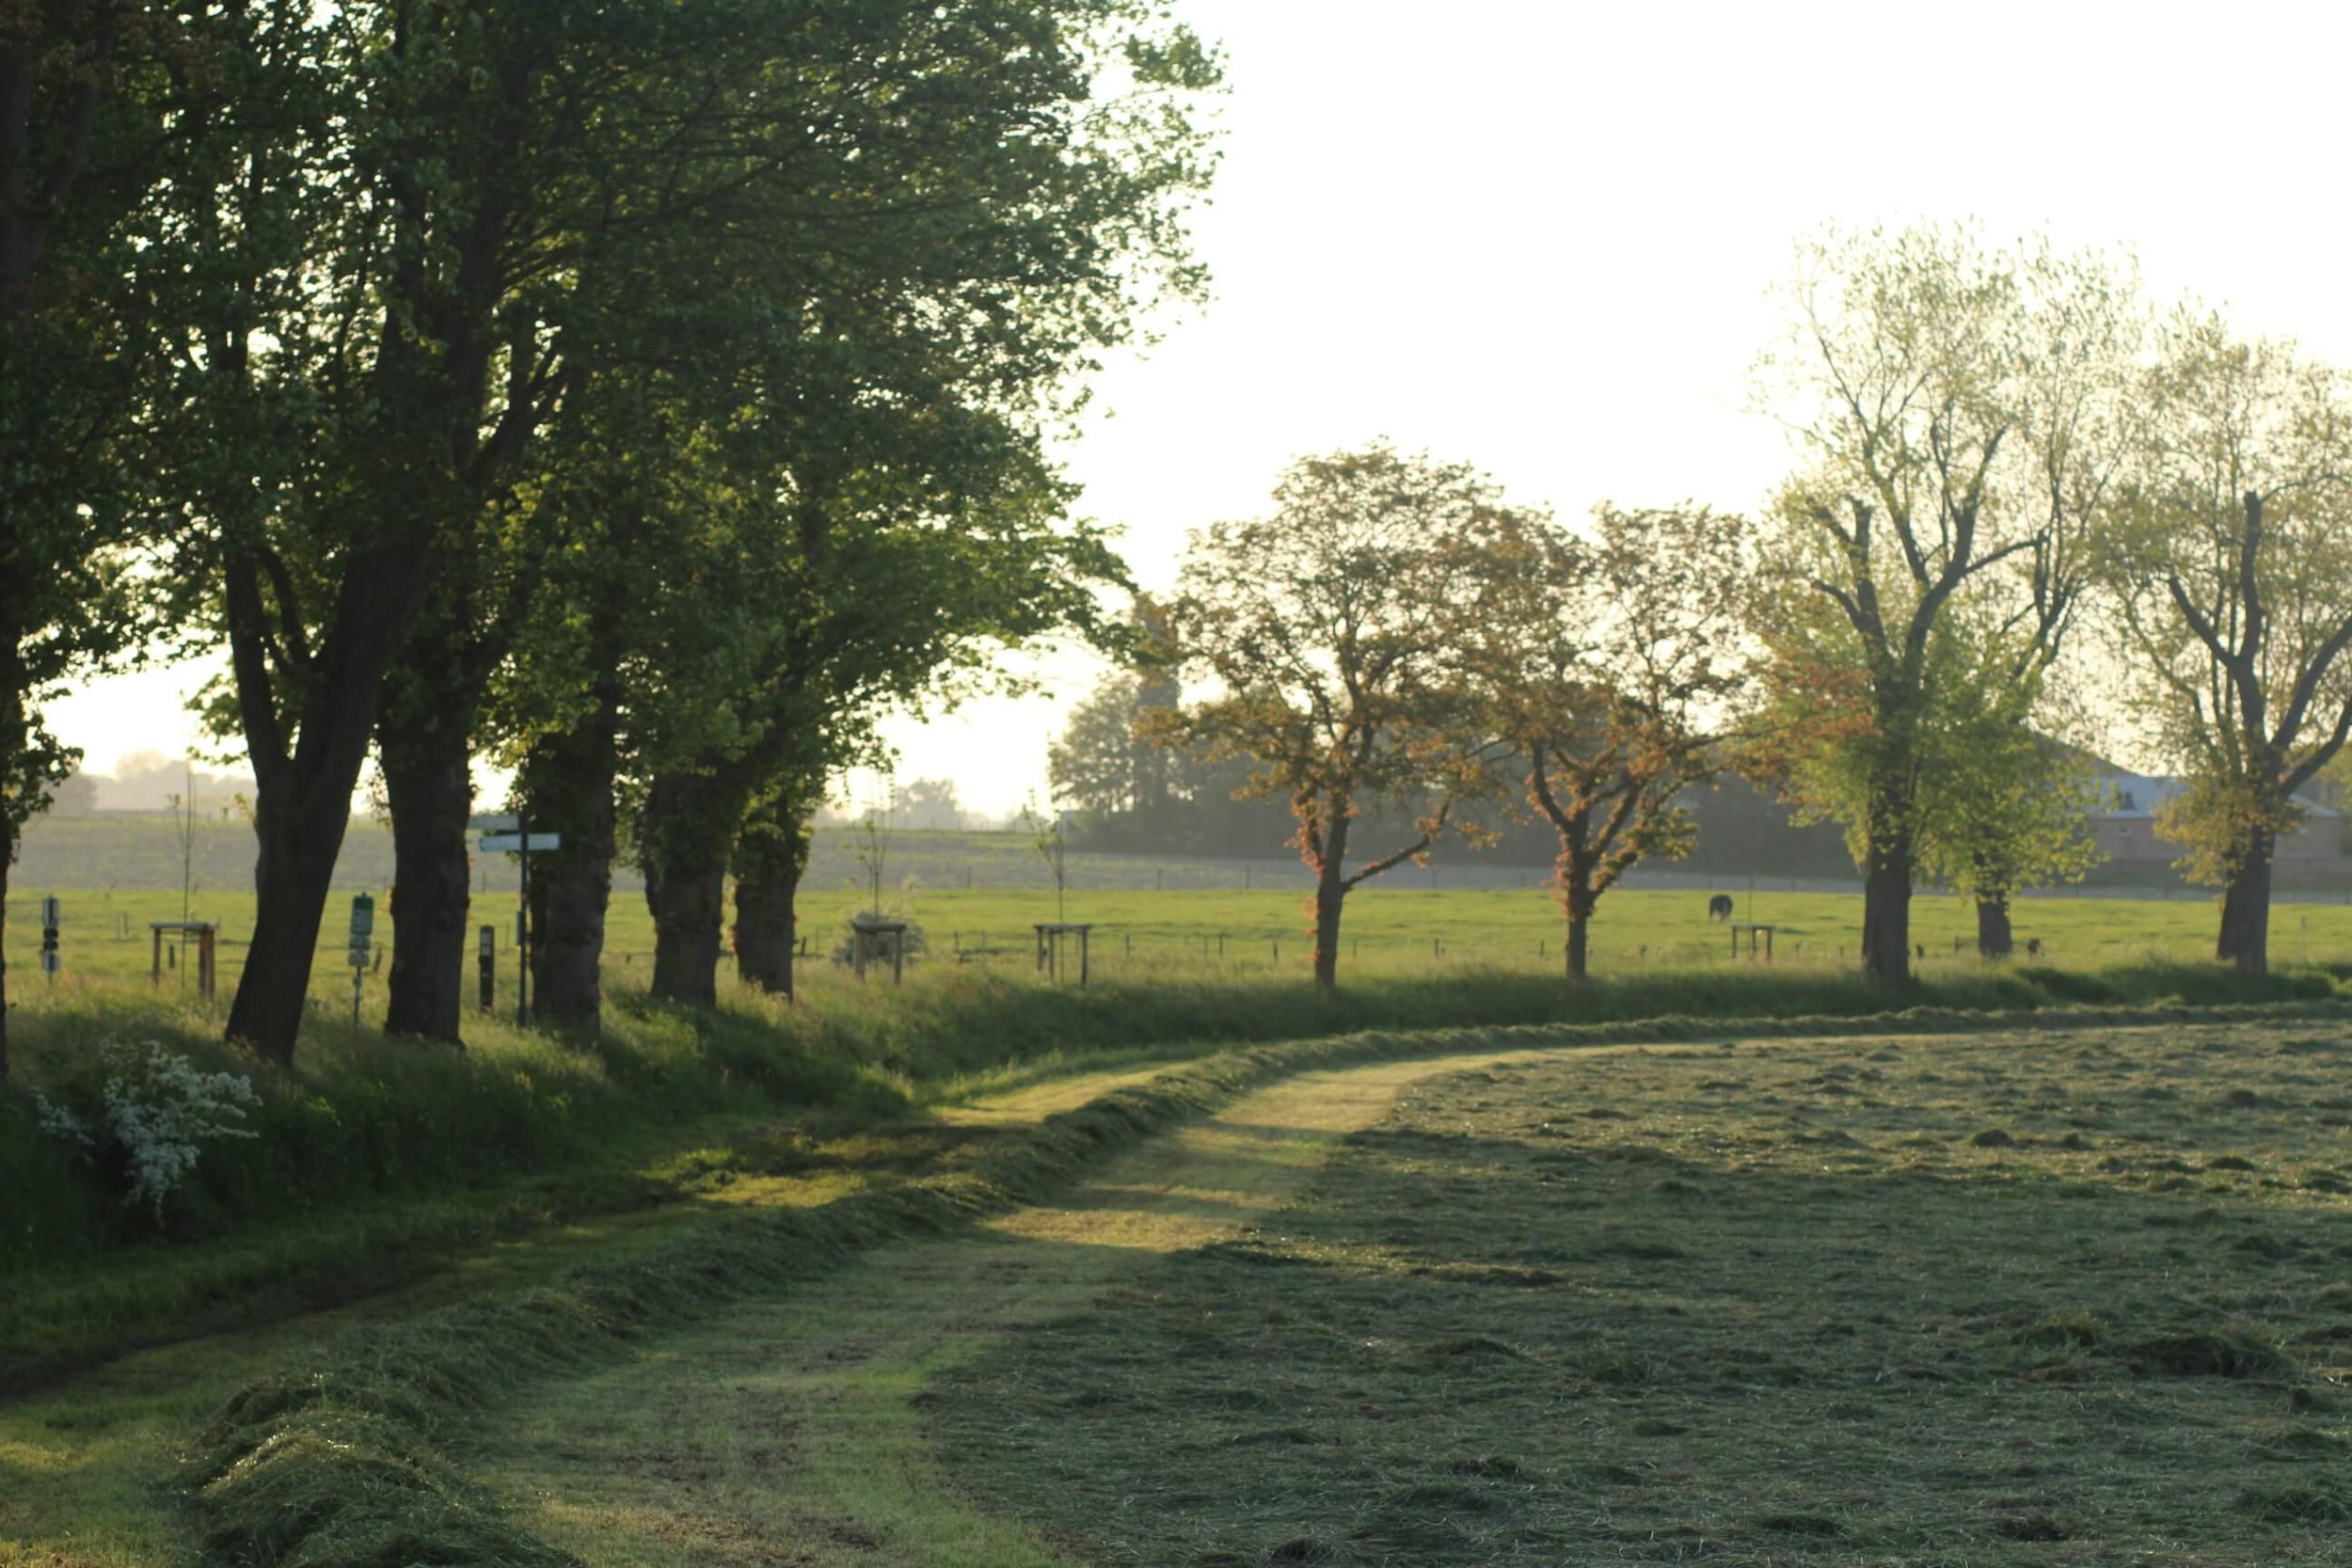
(1209, 935)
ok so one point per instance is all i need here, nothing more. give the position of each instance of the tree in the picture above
(1330, 627)
(881, 548)
(1049, 835)
(2012, 807)
(929, 804)
(94, 96)
(1605, 657)
(956, 208)
(2231, 598)
(384, 340)
(771, 856)
(488, 207)
(1104, 764)
(1965, 415)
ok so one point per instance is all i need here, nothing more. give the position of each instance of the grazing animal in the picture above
(1718, 906)
(2033, 947)
(1921, 949)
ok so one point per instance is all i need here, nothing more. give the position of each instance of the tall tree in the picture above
(1609, 661)
(2233, 599)
(893, 560)
(974, 177)
(102, 104)
(443, 199)
(1965, 414)
(1332, 628)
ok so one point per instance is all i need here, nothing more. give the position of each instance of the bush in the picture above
(142, 1130)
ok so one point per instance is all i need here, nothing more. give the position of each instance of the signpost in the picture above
(489, 966)
(506, 833)
(520, 844)
(362, 930)
(50, 961)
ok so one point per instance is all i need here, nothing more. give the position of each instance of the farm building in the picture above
(2125, 828)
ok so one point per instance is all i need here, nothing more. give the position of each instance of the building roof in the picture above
(2135, 797)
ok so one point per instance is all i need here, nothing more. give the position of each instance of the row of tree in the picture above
(2026, 502)
(634, 395)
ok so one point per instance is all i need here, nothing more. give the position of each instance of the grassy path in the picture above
(789, 1431)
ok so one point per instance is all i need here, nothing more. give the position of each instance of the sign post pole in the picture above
(509, 833)
(522, 924)
(49, 960)
(362, 928)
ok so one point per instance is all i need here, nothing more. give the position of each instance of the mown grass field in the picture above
(2031, 1299)
(1832, 1293)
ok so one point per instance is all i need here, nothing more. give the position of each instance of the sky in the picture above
(1541, 235)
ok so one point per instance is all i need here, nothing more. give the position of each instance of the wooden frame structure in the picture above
(864, 935)
(207, 934)
(1050, 934)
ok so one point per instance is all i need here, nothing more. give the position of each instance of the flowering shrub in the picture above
(150, 1117)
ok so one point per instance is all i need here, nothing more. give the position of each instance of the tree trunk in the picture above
(1330, 899)
(683, 841)
(304, 773)
(8, 858)
(1887, 910)
(300, 832)
(567, 786)
(1993, 940)
(429, 786)
(1580, 929)
(2245, 942)
(769, 863)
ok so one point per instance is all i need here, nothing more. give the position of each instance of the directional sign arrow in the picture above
(495, 822)
(493, 844)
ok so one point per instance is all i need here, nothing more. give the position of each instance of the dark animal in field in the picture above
(1921, 949)
(2033, 947)
(1718, 906)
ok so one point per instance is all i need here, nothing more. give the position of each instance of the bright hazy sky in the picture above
(1537, 234)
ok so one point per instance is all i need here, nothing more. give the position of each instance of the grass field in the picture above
(1206, 935)
(2018, 1300)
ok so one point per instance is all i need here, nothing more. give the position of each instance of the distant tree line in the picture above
(636, 396)
(2024, 503)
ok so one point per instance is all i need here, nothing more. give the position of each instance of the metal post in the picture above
(489, 946)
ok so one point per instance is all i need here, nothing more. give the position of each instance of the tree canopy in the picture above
(1331, 630)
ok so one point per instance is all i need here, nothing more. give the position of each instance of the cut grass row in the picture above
(792, 1428)
(346, 1455)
